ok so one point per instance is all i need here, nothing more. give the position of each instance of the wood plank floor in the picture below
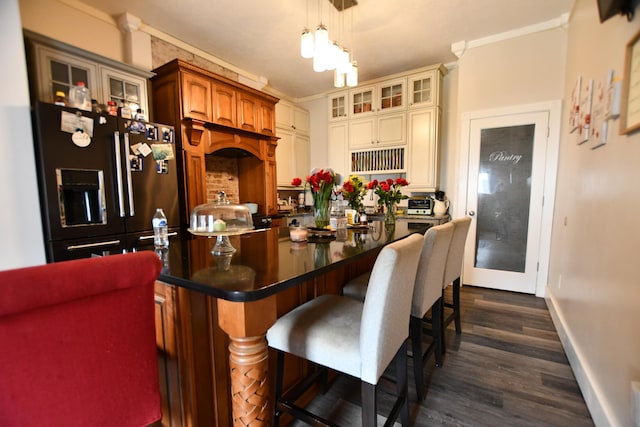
(506, 369)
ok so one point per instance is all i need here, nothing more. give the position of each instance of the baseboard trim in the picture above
(600, 413)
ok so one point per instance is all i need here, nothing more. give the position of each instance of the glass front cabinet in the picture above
(55, 67)
(391, 126)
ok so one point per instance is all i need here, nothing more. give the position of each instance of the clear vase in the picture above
(390, 213)
(321, 211)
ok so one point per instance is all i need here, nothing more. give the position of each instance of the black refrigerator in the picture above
(100, 180)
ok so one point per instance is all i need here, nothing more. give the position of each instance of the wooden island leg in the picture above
(246, 323)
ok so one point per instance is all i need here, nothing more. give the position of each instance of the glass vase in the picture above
(321, 211)
(390, 213)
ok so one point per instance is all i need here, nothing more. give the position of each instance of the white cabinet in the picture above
(377, 131)
(424, 89)
(338, 109)
(293, 153)
(392, 127)
(290, 116)
(423, 169)
(338, 138)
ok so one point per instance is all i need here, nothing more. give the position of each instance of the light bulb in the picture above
(306, 44)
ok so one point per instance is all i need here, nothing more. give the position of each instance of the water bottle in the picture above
(80, 97)
(160, 229)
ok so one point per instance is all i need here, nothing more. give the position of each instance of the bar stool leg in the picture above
(456, 305)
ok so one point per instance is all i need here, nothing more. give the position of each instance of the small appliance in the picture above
(420, 206)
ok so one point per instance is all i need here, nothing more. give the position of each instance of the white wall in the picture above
(94, 32)
(594, 277)
(523, 70)
(20, 223)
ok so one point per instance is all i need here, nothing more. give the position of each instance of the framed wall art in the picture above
(630, 113)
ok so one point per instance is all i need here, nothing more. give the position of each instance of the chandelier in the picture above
(327, 52)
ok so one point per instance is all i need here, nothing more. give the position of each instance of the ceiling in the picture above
(262, 37)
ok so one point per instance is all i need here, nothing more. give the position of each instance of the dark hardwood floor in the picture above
(507, 368)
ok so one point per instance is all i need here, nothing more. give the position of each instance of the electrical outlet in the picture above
(559, 281)
(635, 403)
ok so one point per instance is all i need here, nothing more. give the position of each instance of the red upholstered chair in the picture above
(77, 343)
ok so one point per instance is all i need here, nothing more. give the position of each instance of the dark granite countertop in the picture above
(267, 261)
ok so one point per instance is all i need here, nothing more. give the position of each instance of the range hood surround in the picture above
(236, 162)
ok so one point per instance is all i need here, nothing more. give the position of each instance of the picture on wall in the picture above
(584, 116)
(574, 111)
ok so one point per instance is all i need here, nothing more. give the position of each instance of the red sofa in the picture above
(77, 343)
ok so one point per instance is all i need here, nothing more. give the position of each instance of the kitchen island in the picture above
(214, 311)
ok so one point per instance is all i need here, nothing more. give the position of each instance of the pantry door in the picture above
(507, 163)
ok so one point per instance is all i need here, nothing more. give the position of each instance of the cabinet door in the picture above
(423, 89)
(362, 102)
(338, 150)
(196, 97)
(195, 180)
(302, 155)
(423, 173)
(247, 112)
(391, 129)
(124, 89)
(266, 118)
(300, 120)
(167, 343)
(284, 112)
(285, 158)
(338, 106)
(224, 105)
(362, 133)
(391, 95)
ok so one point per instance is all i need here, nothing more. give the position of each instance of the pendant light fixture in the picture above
(325, 50)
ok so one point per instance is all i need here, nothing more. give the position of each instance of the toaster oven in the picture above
(420, 206)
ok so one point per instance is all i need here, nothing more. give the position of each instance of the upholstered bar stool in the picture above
(356, 338)
(427, 295)
(453, 271)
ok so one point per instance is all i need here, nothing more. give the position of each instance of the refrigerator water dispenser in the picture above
(81, 196)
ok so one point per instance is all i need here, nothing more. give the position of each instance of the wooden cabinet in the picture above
(196, 97)
(247, 112)
(224, 104)
(214, 115)
(294, 152)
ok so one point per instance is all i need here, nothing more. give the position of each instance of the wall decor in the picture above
(574, 111)
(584, 116)
(599, 125)
(630, 114)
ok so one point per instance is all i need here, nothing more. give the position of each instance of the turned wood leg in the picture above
(246, 323)
(250, 388)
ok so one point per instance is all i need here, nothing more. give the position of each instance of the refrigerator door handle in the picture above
(132, 211)
(116, 142)
(93, 245)
(150, 237)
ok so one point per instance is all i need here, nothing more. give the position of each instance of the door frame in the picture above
(554, 108)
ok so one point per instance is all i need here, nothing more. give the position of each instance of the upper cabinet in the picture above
(196, 97)
(338, 109)
(424, 89)
(293, 157)
(55, 66)
(391, 126)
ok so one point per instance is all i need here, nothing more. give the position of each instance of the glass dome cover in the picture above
(220, 218)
